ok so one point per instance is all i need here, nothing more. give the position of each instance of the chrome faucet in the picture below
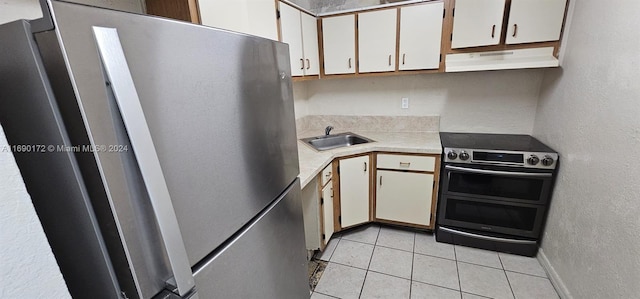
(327, 130)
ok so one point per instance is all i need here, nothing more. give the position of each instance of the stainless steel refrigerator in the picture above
(160, 156)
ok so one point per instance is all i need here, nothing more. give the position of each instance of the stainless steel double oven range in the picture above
(495, 191)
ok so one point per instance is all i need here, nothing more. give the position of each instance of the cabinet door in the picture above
(354, 190)
(404, 196)
(535, 21)
(292, 34)
(420, 36)
(310, 44)
(256, 17)
(377, 41)
(477, 23)
(327, 209)
(339, 44)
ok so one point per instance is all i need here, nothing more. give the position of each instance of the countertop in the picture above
(313, 162)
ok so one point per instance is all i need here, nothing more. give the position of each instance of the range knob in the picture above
(547, 161)
(464, 156)
(452, 155)
(533, 160)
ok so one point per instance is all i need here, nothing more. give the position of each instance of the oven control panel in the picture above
(504, 158)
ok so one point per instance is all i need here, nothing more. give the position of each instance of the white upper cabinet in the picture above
(300, 31)
(310, 44)
(291, 33)
(535, 21)
(477, 23)
(339, 44)
(420, 36)
(255, 17)
(377, 40)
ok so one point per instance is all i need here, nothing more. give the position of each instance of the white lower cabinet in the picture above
(354, 191)
(327, 213)
(404, 197)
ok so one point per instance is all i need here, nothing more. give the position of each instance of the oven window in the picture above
(494, 185)
(507, 216)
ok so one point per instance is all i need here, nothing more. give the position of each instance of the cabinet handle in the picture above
(308, 64)
(331, 190)
(380, 180)
(302, 62)
(328, 174)
(349, 62)
(493, 31)
(403, 55)
(389, 59)
(365, 166)
(405, 164)
(515, 29)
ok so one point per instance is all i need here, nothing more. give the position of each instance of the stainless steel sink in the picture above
(327, 142)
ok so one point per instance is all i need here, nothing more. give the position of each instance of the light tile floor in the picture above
(385, 262)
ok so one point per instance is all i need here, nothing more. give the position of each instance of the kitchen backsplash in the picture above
(342, 123)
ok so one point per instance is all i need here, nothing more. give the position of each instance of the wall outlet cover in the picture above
(405, 103)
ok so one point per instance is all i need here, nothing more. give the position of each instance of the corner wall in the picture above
(590, 113)
(27, 266)
(487, 102)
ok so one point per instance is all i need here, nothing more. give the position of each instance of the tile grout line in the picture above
(413, 256)
(369, 265)
(507, 277)
(327, 295)
(455, 255)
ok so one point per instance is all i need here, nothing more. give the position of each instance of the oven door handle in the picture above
(488, 238)
(496, 172)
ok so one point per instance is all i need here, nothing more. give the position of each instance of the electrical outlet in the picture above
(405, 103)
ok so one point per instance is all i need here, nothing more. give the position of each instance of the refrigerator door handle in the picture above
(117, 70)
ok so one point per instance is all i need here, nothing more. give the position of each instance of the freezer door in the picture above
(267, 259)
(218, 105)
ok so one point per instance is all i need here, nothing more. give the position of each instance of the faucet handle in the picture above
(327, 130)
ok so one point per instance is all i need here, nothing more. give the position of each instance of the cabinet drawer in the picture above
(405, 162)
(326, 175)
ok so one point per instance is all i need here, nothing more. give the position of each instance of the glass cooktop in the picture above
(506, 142)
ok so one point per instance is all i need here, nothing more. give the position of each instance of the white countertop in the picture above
(313, 162)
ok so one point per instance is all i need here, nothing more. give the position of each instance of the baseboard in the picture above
(560, 287)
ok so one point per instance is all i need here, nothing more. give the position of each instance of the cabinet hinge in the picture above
(440, 57)
(434, 184)
(277, 14)
(451, 37)
(323, 237)
(338, 169)
(321, 200)
(444, 13)
(340, 220)
(453, 12)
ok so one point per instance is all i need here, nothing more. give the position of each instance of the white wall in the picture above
(11, 10)
(590, 113)
(27, 266)
(498, 101)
